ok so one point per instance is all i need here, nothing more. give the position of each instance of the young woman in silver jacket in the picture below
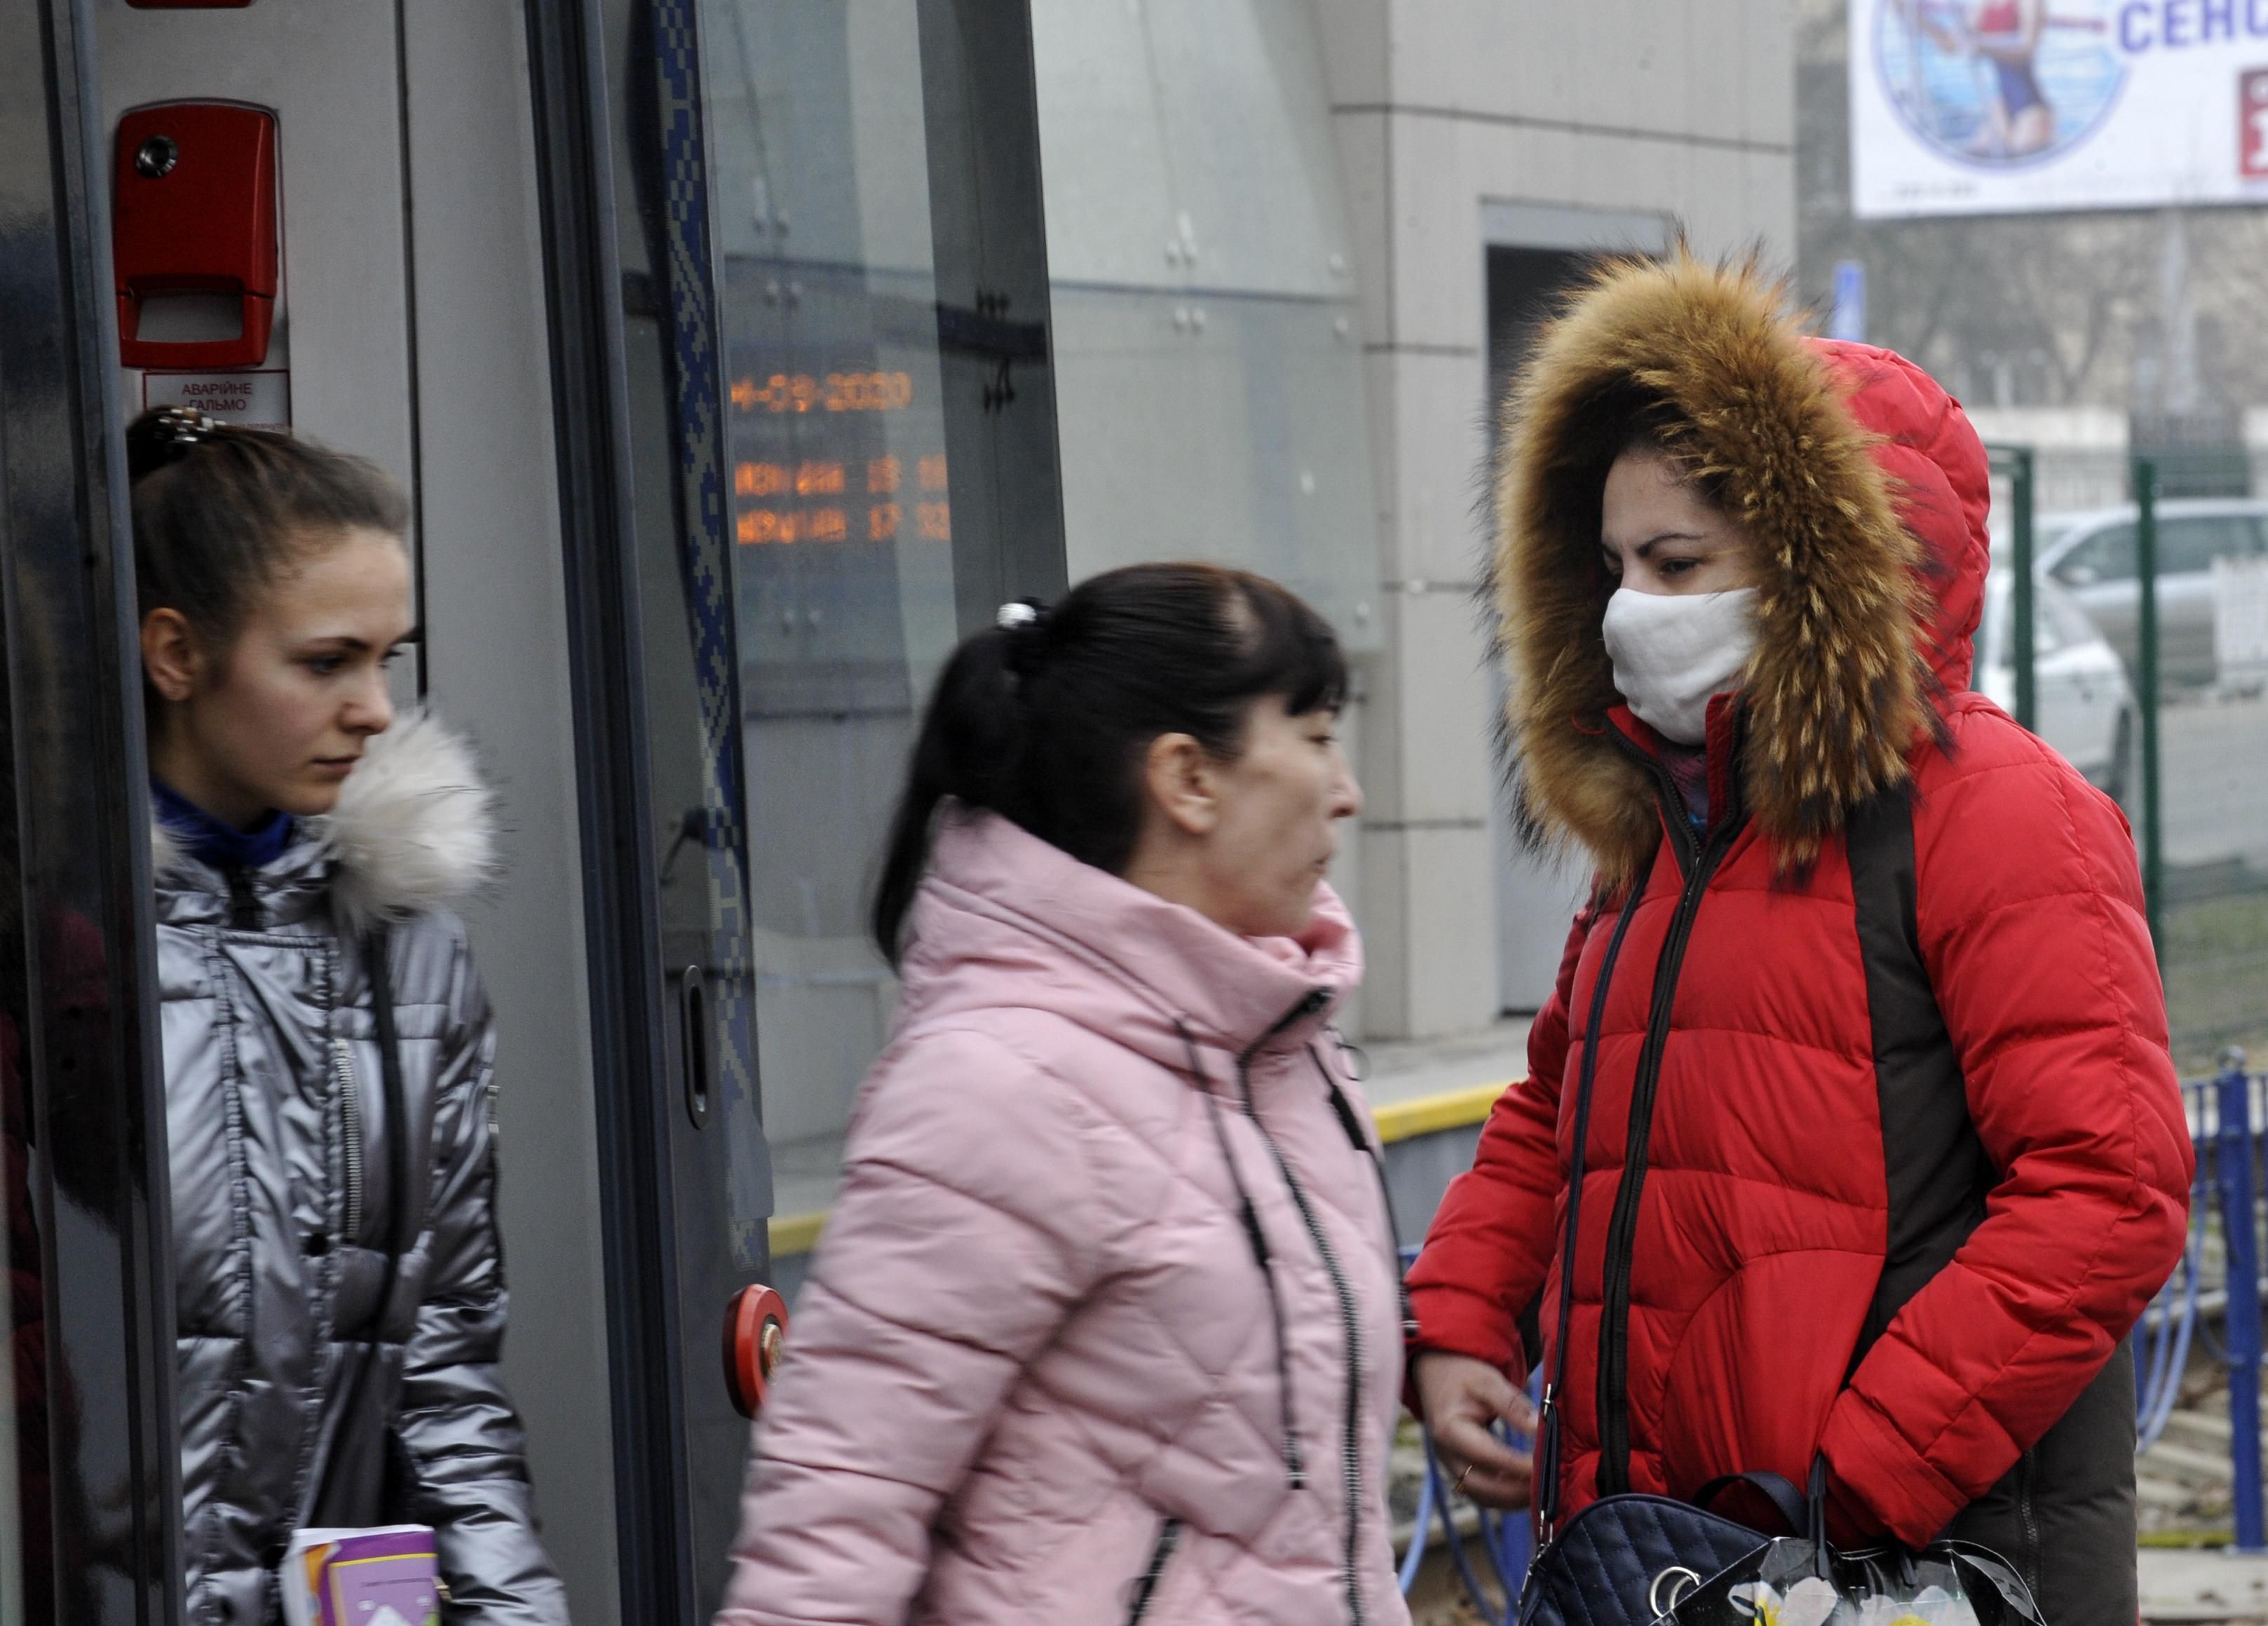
(329, 1049)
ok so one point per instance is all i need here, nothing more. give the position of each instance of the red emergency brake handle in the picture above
(193, 191)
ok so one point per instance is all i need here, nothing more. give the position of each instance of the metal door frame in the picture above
(96, 1089)
(591, 413)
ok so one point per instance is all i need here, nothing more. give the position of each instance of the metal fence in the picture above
(2193, 775)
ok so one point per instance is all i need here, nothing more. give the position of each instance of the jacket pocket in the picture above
(1145, 1585)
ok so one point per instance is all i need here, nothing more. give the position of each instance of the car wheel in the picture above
(2119, 777)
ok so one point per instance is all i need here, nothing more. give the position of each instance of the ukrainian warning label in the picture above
(256, 400)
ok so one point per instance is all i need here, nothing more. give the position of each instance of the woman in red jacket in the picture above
(1885, 1152)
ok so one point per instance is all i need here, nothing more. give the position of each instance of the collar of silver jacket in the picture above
(414, 831)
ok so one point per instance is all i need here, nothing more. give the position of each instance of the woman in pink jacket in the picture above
(1106, 1324)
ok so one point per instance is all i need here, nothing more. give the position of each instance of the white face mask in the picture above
(1672, 651)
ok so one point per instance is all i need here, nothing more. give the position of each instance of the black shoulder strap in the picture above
(1935, 1173)
(1548, 1423)
(402, 1226)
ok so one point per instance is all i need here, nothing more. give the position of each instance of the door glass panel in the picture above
(90, 1514)
(866, 516)
(842, 502)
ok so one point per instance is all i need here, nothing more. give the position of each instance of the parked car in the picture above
(2085, 708)
(2093, 555)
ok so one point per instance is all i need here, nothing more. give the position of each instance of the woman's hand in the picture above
(1462, 1398)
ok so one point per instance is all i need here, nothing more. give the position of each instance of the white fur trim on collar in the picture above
(413, 830)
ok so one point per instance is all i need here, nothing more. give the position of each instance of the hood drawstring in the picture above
(1343, 1110)
(1294, 1461)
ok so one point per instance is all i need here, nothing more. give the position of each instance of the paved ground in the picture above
(2214, 1584)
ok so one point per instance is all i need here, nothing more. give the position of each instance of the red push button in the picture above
(755, 1332)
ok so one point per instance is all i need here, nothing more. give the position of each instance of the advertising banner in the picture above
(2015, 106)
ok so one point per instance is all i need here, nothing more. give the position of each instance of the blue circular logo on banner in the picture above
(1999, 84)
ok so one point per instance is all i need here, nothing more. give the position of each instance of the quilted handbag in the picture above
(1626, 1560)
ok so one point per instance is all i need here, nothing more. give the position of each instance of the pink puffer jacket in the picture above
(1038, 1359)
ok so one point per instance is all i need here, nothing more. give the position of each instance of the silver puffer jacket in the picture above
(275, 1107)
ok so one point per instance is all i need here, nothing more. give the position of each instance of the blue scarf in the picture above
(210, 841)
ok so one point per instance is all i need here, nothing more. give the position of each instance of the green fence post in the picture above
(2023, 652)
(2146, 693)
(2023, 645)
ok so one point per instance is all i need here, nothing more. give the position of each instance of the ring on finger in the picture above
(1463, 1474)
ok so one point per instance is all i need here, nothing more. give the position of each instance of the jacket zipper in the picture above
(243, 902)
(1349, 1319)
(2029, 1518)
(1145, 1585)
(1699, 863)
(350, 1137)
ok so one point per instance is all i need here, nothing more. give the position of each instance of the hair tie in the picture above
(1025, 622)
(158, 440)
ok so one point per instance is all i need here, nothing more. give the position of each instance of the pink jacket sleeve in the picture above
(963, 1236)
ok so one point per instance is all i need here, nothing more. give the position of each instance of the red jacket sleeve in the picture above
(1489, 1246)
(2030, 914)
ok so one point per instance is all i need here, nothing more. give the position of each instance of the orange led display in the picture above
(837, 391)
(758, 480)
(757, 526)
(933, 521)
(818, 479)
(882, 475)
(933, 471)
(883, 521)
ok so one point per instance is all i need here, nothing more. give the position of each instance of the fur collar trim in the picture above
(1836, 694)
(413, 830)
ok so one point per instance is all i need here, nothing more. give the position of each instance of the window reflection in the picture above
(842, 508)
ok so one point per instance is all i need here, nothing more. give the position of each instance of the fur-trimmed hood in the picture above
(414, 831)
(1861, 480)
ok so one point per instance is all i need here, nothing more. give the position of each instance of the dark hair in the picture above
(218, 511)
(1651, 424)
(1046, 722)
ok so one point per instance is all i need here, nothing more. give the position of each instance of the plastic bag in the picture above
(1792, 1583)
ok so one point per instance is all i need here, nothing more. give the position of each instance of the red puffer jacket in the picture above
(1886, 1152)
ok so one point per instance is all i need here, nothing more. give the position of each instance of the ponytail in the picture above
(966, 749)
(1045, 718)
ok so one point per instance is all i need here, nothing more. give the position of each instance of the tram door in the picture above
(807, 440)
(711, 337)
